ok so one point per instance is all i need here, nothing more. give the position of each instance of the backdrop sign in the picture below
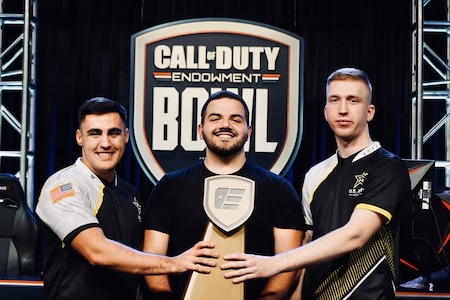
(176, 66)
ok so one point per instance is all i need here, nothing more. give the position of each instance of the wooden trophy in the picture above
(228, 201)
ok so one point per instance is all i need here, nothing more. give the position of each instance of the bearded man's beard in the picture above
(225, 149)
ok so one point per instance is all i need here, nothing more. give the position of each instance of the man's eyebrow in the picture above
(97, 130)
(238, 116)
(94, 130)
(345, 97)
(114, 129)
(216, 114)
(353, 97)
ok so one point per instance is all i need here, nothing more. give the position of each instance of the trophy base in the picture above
(214, 286)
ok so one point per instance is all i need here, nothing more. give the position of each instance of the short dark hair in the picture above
(101, 106)
(225, 94)
(350, 74)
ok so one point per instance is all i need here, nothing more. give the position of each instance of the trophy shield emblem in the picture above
(228, 200)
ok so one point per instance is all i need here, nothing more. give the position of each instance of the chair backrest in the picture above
(19, 231)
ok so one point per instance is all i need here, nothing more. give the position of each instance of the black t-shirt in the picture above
(175, 207)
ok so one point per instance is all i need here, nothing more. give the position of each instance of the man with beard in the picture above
(175, 218)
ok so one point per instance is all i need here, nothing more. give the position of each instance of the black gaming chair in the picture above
(19, 231)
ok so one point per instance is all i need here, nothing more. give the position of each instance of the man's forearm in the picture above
(279, 286)
(159, 287)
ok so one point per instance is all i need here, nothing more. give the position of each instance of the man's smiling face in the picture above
(103, 139)
(225, 129)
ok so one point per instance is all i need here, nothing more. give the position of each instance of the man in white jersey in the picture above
(91, 219)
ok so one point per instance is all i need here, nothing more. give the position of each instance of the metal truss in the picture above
(18, 24)
(430, 97)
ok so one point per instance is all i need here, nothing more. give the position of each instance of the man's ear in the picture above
(200, 131)
(78, 137)
(127, 135)
(370, 112)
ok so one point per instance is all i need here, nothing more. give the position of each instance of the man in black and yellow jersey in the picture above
(352, 203)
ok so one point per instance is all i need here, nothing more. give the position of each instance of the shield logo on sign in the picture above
(228, 200)
(176, 66)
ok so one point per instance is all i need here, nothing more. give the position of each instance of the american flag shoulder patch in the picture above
(61, 192)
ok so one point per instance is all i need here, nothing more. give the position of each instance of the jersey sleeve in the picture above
(64, 206)
(313, 178)
(387, 187)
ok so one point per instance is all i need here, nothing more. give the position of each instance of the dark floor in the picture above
(33, 289)
(422, 295)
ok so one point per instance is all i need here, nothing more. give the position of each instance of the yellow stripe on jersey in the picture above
(100, 200)
(376, 209)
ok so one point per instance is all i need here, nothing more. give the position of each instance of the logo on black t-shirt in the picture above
(358, 187)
